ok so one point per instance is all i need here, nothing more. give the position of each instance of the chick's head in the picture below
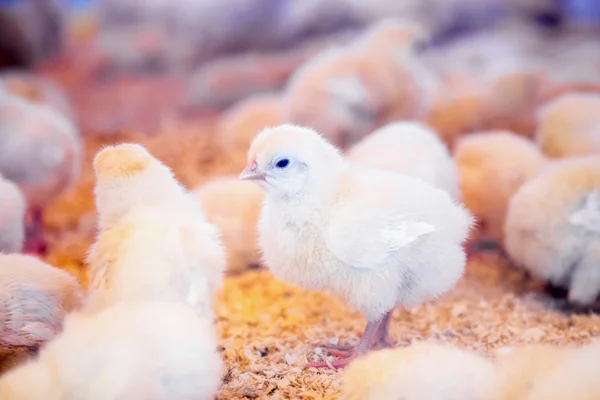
(128, 175)
(290, 160)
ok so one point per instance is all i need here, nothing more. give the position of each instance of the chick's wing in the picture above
(370, 237)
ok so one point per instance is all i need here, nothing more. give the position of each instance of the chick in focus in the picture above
(12, 217)
(365, 234)
(40, 151)
(493, 165)
(239, 124)
(347, 91)
(552, 228)
(132, 350)
(234, 206)
(153, 240)
(570, 125)
(34, 299)
(410, 148)
(421, 371)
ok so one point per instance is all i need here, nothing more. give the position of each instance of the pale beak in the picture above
(251, 174)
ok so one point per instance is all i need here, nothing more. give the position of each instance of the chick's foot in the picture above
(335, 364)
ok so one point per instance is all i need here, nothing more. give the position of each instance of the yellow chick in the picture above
(40, 151)
(552, 227)
(576, 378)
(365, 234)
(12, 217)
(132, 350)
(347, 91)
(153, 241)
(424, 370)
(239, 124)
(410, 148)
(234, 206)
(518, 369)
(570, 125)
(492, 166)
(34, 299)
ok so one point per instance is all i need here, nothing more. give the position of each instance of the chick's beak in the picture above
(251, 173)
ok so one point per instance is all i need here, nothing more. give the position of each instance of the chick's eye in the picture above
(284, 162)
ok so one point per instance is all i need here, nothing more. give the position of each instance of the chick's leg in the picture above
(365, 344)
(382, 337)
(34, 238)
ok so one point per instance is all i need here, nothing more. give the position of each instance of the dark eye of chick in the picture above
(284, 162)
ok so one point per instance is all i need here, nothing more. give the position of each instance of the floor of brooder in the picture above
(268, 328)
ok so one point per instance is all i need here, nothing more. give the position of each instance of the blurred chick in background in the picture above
(40, 151)
(34, 299)
(153, 241)
(493, 165)
(570, 125)
(424, 370)
(552, 228)
(239, 124)
(12, 217)
(234, 206)
(132, 350)
(410, 148)
(345, 92)
(365, 234)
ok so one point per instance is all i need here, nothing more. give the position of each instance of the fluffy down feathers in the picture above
(328, 224)
(570, 125)
(552, 227)
(12, 217)
(234, 206)
(409, 148)
(492, 167)
(40, 150)
(34, 299)
(157, 248)
(421, 371)
(141, 350)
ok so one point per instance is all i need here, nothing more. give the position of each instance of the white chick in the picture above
(552, 227)
(365, 234)
(570, 125)
(34, 299)
(12, 217)
(132, 350)
(40, 151)
(493, 165)
(153, 241)
(422, 371)
(410, 148)
(234, 206)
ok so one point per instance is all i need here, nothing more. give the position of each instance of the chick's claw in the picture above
(335, 364)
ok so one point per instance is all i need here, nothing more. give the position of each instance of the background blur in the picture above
(204, 55)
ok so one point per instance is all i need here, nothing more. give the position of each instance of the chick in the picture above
(492, 166)
(234, 206)
(132, 350)
(347, 91)
(520, 368)
(36, 89)
(40, 151)
(421, 371)
(410, 148)
(34, 299)
(365, 234)
(575, 378)
(153, 240)
(12, 217)
(239, 124)
(552, 227)
(570, 125)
